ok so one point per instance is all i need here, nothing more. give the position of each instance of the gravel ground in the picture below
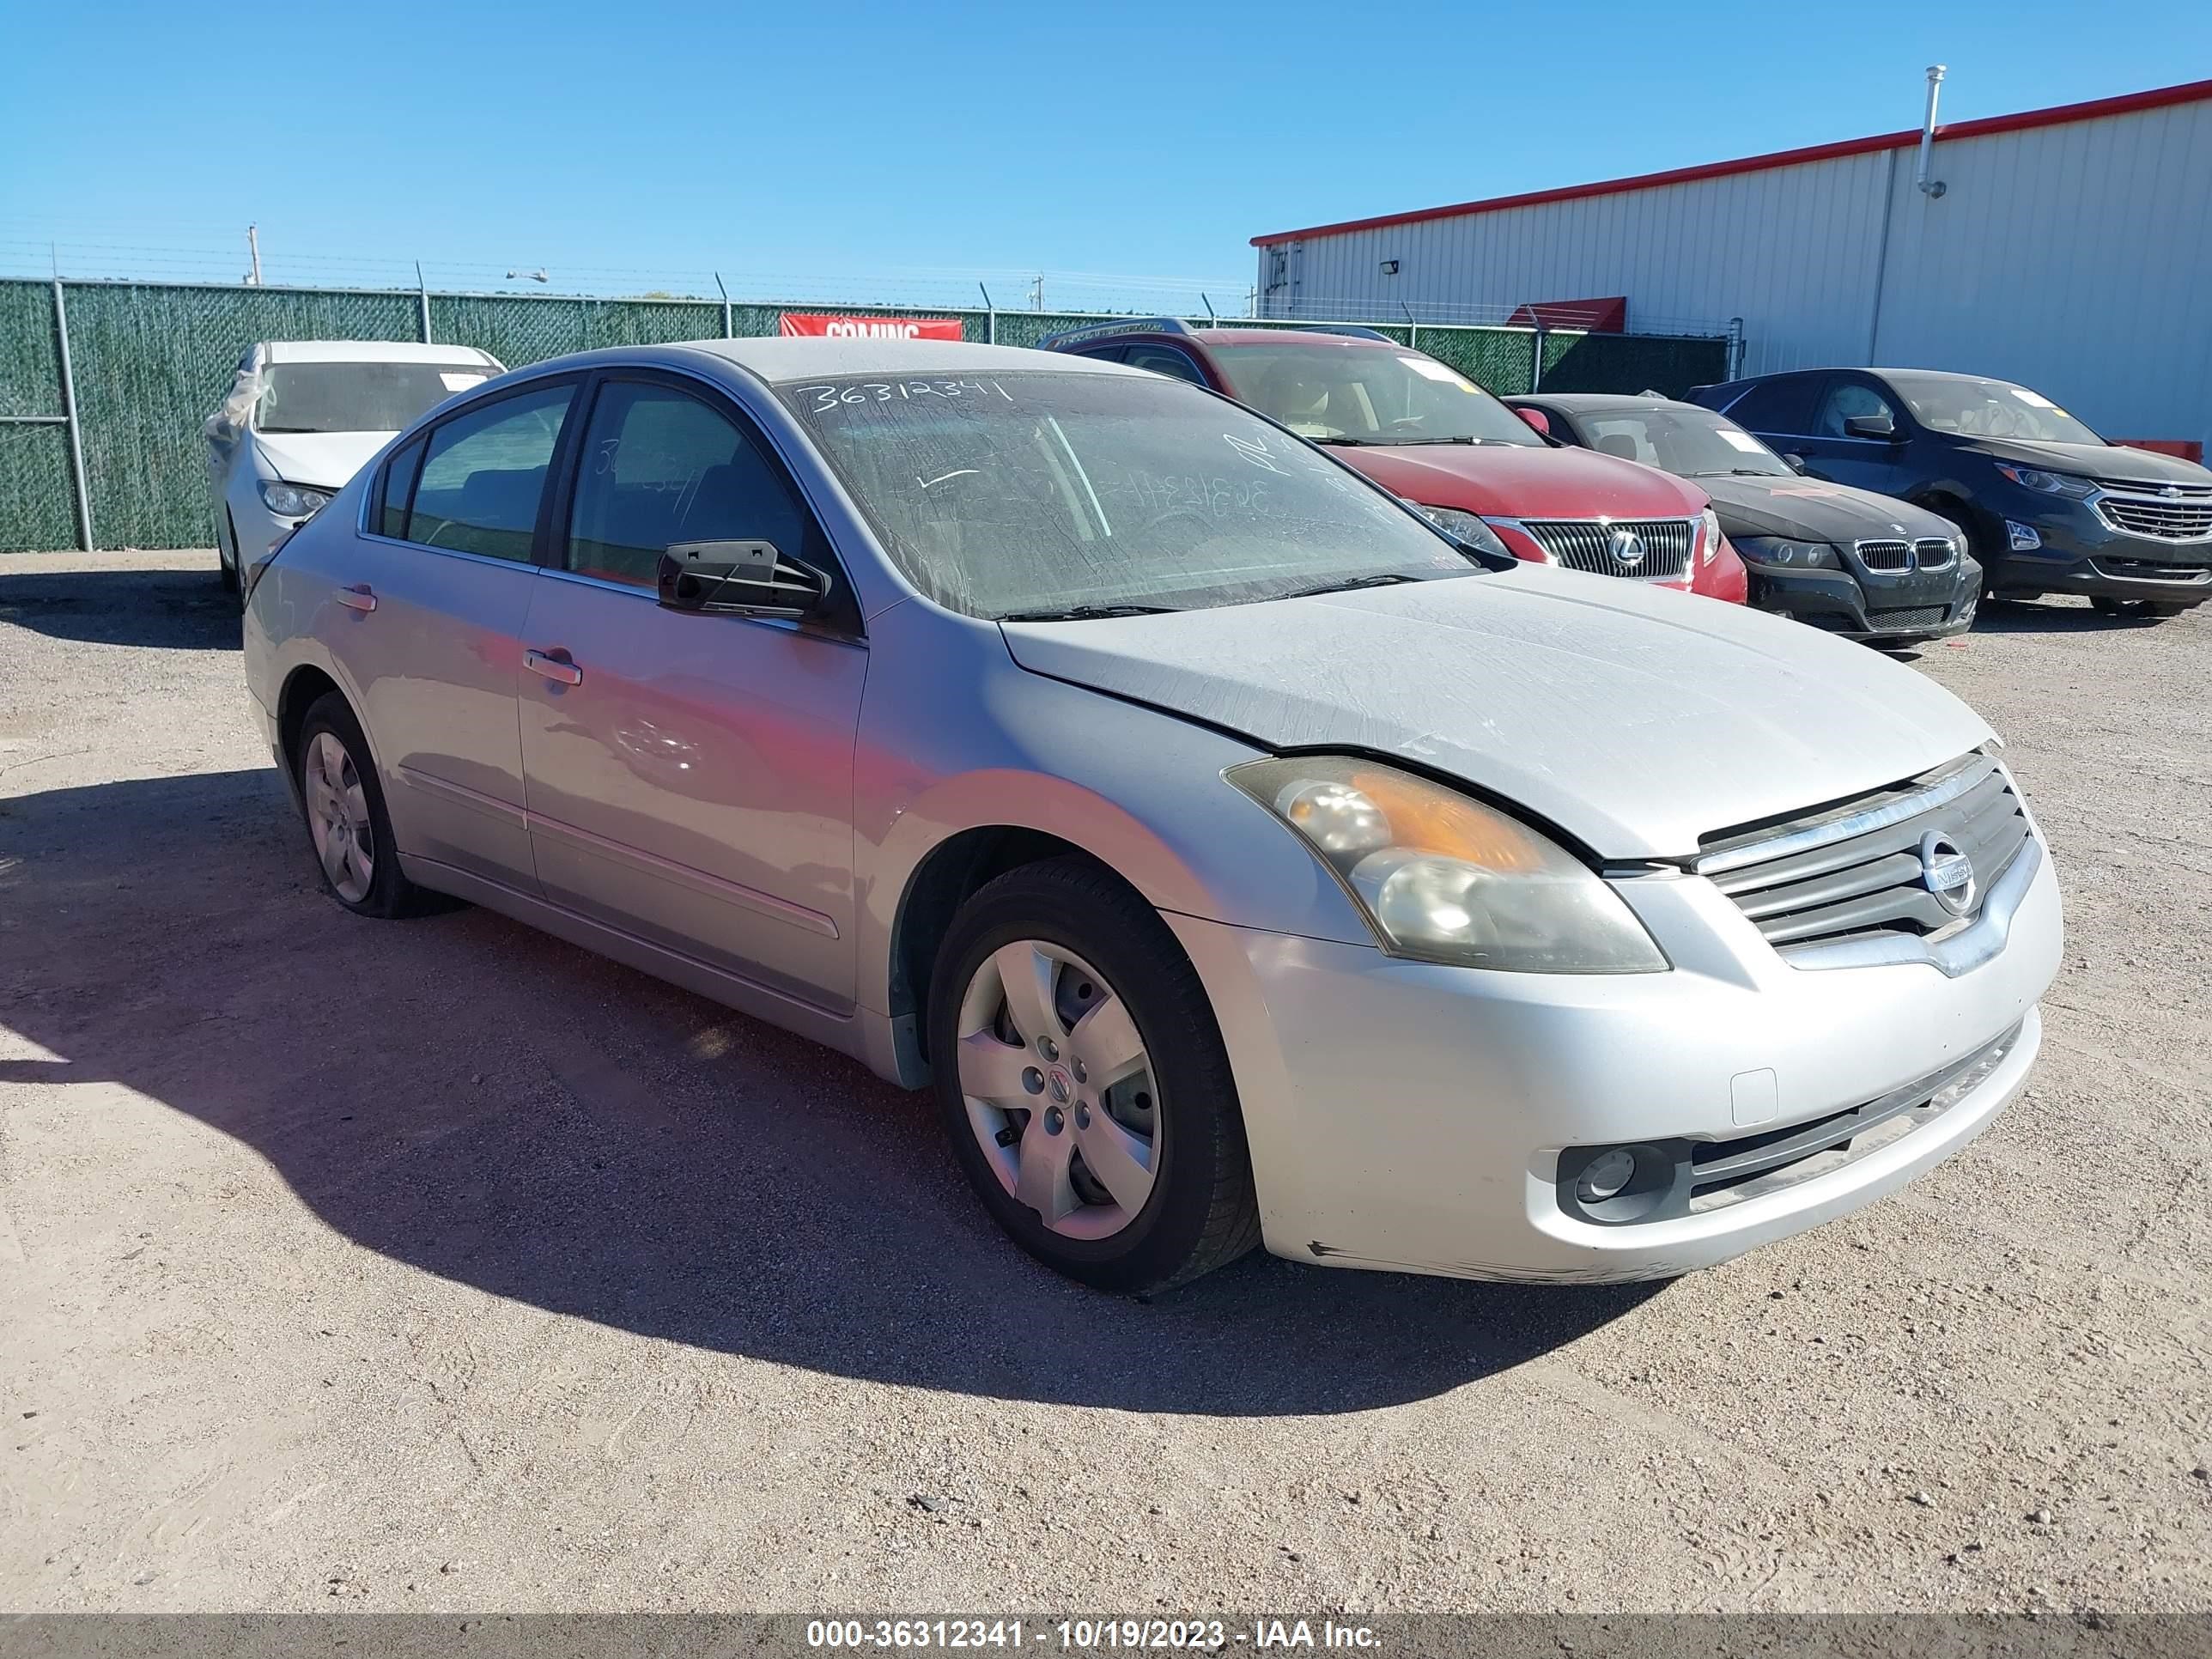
(439, 1264)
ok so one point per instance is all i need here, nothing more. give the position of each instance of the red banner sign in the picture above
(870, 328)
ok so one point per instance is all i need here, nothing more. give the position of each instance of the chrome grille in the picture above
(1932, 552)
(1885, 556)
(2145, 510)
(1661, 546)
(1855, 870)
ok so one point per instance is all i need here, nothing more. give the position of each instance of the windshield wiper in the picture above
(1386, 579)
(1348, 443)
(1402, 443)
(1090, 612)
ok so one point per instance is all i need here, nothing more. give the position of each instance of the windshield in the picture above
(1988, 409)
(1363, 394)
(357, 397)
(1691, 443)
(1034, 494)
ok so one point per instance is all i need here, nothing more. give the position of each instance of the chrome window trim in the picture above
(1964, 776)
(1957, 953)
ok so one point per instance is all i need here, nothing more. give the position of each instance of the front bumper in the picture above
(2080, 553)
(1407, 1115)
(1915, 604)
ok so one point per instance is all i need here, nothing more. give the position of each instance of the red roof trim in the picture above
(2059, 115)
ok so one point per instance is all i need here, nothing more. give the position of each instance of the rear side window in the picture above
(1165, 360)
(483, 474)
(397, 490)
(659, 466)
(1783, 406)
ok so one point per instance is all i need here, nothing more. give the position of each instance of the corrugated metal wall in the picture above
(2071, 258)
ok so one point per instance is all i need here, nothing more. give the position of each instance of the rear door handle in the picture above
(553, 668)
(356, 598)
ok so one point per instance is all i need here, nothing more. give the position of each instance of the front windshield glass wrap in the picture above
(1373, 394)
(1036, 492)
(1689, 443)
(1988, 409)
(357, 397)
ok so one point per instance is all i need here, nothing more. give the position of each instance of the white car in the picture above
(302, 417)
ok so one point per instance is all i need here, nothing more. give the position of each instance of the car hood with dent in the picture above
(1811, 510)
(1519, 481)
(1635, 719)
(2110, 462)
(324, 460)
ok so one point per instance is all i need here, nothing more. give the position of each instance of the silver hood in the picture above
(1634, 719)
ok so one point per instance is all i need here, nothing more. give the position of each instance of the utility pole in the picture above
(1037, 292)
(253, 255)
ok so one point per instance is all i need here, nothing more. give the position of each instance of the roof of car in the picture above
(794, 357)
(1592, 403)
(369, 351)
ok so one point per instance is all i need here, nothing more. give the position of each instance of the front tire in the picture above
(1084, 1084)
(346, 824)
(2146, 610)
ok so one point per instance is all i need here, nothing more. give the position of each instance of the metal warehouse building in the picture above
(2069, 249)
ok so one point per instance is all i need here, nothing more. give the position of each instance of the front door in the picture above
(690, 776)
(1834, 453)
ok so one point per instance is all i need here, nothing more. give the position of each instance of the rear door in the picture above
(1779, 412)
(690, 776)
(433, 630)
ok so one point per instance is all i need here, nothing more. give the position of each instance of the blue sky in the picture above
(896, 151)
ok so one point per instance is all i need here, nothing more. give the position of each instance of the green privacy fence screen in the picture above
(148, 362)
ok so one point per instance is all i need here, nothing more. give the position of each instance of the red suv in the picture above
(1428, 433)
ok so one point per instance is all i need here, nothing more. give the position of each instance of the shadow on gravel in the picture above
(176, 610)
(2027, 616)
(470, 1099)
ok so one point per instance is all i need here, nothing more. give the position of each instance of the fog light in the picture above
(1607, 1175)
(2022, 537)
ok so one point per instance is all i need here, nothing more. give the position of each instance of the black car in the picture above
(1865, 566)
(2050, 506)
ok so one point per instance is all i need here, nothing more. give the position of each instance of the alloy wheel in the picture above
(339, 818)
(1059, 1089)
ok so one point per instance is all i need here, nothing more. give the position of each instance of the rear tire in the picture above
(1065, 948)
(2144, 610)
(348, 827)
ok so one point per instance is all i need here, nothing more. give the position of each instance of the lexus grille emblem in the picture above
(1947, 872)
(1627, 549)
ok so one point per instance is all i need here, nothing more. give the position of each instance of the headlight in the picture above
(1710, 523)
(1444, 878)
(2049, 484)
(1467, 526)
(1780, 549)
(293, 500)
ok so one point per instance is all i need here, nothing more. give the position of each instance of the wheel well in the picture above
(941, 885)
(301, 692)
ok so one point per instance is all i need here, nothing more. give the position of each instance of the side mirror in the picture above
(1871, 426)
(1796, 463)
(739, 579)
(1538, 420)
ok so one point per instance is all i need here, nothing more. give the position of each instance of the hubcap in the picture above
(337, 818)
(1059, 1089)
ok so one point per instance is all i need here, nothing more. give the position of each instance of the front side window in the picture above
(483, 474)
(1035, 493)
(1690, 444)
(1974, 408)
(1847, 400)
(1341, 392)
(357, 397)
(659, 466)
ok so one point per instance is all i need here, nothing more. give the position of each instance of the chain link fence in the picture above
(124, 373)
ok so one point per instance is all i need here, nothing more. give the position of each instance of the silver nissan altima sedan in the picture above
(1239, 857)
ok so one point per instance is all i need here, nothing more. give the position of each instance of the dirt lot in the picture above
(437, 1265)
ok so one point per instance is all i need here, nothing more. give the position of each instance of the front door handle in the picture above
(553, 666)
(356, 598)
